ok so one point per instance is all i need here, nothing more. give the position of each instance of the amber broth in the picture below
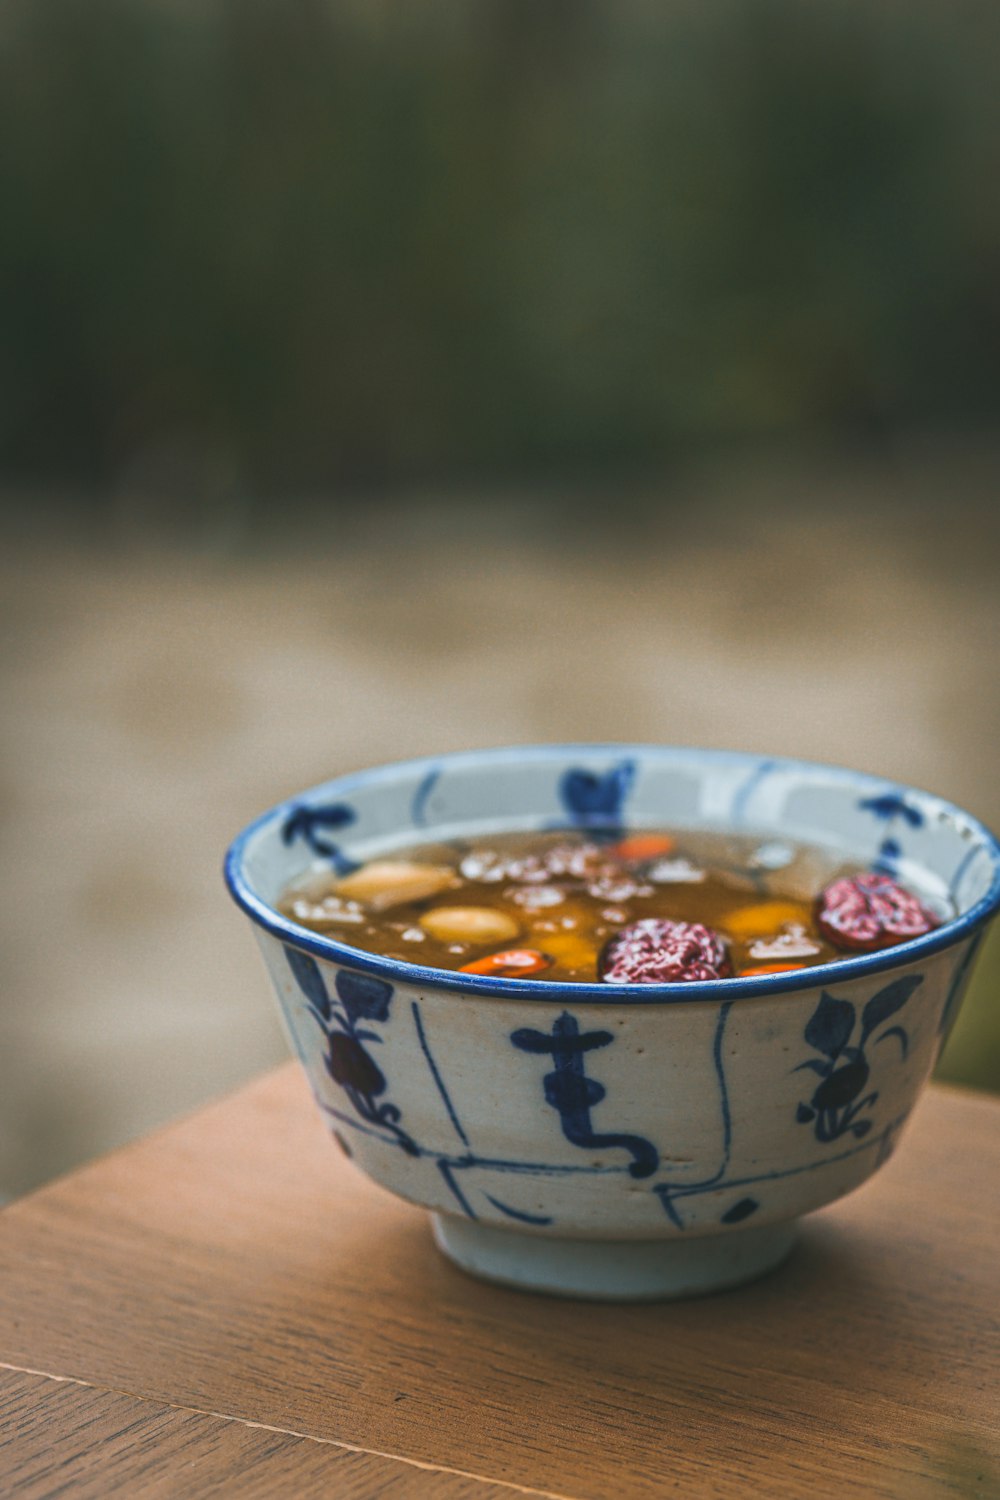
(565, 894)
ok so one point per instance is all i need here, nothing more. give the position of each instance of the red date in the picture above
(868, 912)
(658, 951)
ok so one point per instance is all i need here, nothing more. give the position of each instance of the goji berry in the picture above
(768, 969)
(637, 847)
(512, 963)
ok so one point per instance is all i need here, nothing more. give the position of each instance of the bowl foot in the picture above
(613, 1270)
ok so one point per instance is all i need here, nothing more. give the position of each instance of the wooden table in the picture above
(228, 1308)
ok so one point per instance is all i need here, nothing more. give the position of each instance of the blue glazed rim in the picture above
(551, 991)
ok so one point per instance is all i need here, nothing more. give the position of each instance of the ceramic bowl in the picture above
(627, 1141)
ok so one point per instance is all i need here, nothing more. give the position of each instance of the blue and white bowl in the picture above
(630, 1140)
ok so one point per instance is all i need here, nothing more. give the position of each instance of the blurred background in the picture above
(384, 378)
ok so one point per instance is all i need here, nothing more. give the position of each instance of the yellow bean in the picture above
(391, 882)
(469, 924)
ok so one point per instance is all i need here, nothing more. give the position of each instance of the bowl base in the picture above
(613, 1270)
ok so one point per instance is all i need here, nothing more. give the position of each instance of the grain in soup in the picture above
(646, 907)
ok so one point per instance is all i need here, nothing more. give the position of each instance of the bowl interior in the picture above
(932, 846)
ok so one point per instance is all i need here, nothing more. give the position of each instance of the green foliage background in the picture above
(342, 243)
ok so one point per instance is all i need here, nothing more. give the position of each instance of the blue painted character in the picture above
(573, 1095)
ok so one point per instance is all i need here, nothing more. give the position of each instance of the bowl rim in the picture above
(547, 991)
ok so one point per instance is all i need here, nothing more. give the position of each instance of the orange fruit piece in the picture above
(572, 949)
(641, 846)
(512, 963)
(764, 918)
(768, 969)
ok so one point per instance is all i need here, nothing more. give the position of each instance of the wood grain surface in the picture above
(235, 1270)
(61, 1438)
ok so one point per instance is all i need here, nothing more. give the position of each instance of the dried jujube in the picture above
(866, 912)
(658, 951)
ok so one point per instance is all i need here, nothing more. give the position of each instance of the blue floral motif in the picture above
(310, 981)
(573, 1095)
(892, 805)
(362, 997)
(308, 823)
(596, 801)
(888, 808)
(844, 1069)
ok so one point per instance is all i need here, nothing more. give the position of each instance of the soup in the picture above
(646, 907)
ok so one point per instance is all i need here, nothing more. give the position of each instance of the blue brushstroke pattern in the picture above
(445, 1168)
(892, 805)
(737, 811)
(436, 1075)
(592, 800)
(666, 1191)
(886, 862)
(572, 1094)
(955, 988)
(561, 1169)
(418, 807)
(844, 1071)
(967, 859)
(307, 975)
(740, 1211)
(307, 823)
(517, 1213)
